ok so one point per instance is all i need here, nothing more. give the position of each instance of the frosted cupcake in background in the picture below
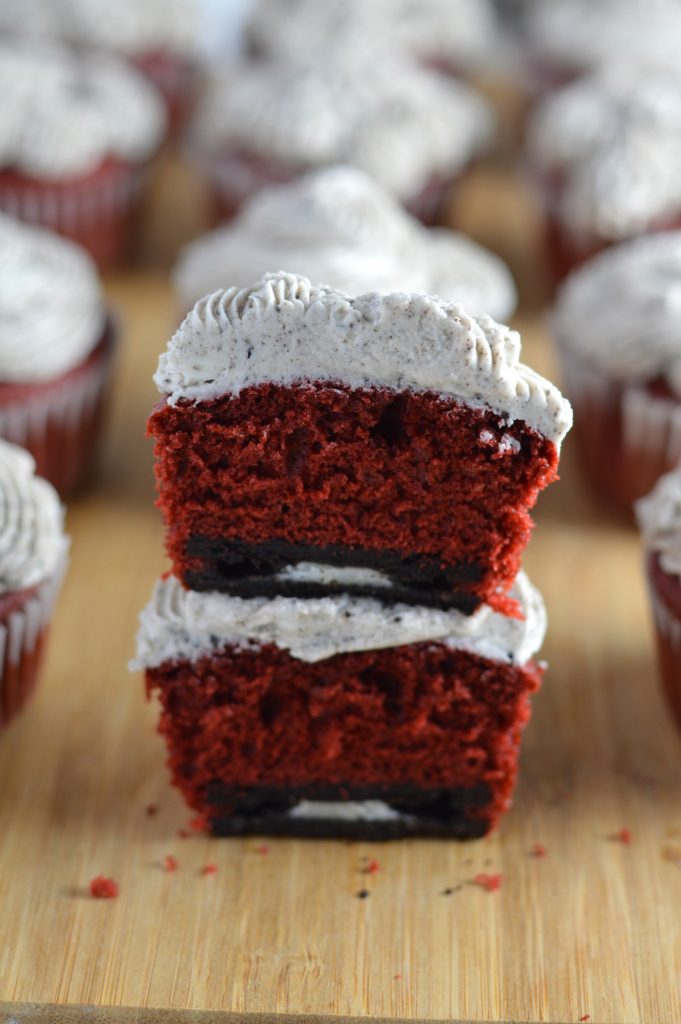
(56, 349)
(414, 131)
(617, 325)
(339, 227)
(33, 559)
(606, 155)
(76, 136)
(659, 518)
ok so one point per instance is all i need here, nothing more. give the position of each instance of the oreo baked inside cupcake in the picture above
(33, 558)
(77, 133)
(56, 349)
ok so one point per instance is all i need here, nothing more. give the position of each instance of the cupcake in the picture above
(76, 136)
(455, 36)
(617, 324)
(339, 227)
(412, 130)
(56, 348)
(606, 153)
(33, 557)
(659, 518)
(160, 37)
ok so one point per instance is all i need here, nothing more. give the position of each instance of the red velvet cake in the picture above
(341, 716)
(304, 432)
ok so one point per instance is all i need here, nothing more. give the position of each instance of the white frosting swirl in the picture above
(463, 32)
(621, 312)
(582, 35)
(133, 27)
(614, 141)
(400, 123)
(183, 624)
(32, 539)
(284, 329)
(64, 114)
(51, 307)
(659, 519)
(338, 226)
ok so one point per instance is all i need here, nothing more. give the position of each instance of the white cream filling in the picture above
(328, 575)
(345, 810)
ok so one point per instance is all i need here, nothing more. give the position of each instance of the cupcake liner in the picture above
(429, 206)
(97, 212)
(668, 637)
(627, 435)
(59, 422)
(175, 78)
(235, 177)
(23, 633)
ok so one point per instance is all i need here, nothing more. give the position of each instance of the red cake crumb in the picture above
(103, 888)
(396, 977)
(372, 868)
(488, 882)
(209, 869)
(170, 863)
(623, 836)
(182, 833)
(369, 469)
(198, 824)
(538, 850)
(586, 1017)
(151, 810)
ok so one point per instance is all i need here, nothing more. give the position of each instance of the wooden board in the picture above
(594, 927)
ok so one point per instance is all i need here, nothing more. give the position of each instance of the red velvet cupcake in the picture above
(617, 325)
(80, 132)
(33, 558)
(659, 518)
(56, 350)
(412, 130)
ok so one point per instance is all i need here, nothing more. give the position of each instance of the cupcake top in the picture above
(284, 329)
(613, 142)
(138, 27)
(182, 624)
(621, 311)
(461, 32)
(32, 539)
(339, 227)
(52, 310)
(400, 123)
(659, 519)
(63, 114)
(583, 35)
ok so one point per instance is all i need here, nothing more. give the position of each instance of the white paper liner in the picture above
(668, 624)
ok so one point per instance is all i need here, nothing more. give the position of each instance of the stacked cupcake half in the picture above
(345, 645)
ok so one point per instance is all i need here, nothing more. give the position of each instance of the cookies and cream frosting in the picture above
(613, 140)
(621, 312)
(659, 519)
(181, 624)
(62, 114)
(286, 330)
(52, 312)
(402, 124)
(339, 227)
(32, 539)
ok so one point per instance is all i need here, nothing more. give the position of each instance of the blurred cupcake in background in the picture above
(617, 324)
(160, 37)
(33, 560)
(606, 156)
(339, 227)
(77, 134)
(56, 349)
(659, 518)
(455, 36)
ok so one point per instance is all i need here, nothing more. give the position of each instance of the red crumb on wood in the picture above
(396, 977)
(209, 869)
(623, 836)
(488, 882)
(198, 824)
(371, 868)
(182, 833)
(170, 863)
(587, 1016)
(263, 850)
(538, 850)
(103, 888)
(150, 810)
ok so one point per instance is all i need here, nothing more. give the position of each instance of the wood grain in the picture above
(591, 928)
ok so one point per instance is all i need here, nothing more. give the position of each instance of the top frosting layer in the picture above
(64, 114)
(463, 32)
(621, 312)
(613, 141)
(339, 227)
(132, 27)
(51, 307)
(286, 330)
(182, 624)
(581, 35)
(32, 539)
(659, 518)
(400, 123)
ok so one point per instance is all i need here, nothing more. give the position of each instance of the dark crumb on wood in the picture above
(362, 894)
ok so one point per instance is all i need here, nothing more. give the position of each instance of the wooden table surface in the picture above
(593, 928)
